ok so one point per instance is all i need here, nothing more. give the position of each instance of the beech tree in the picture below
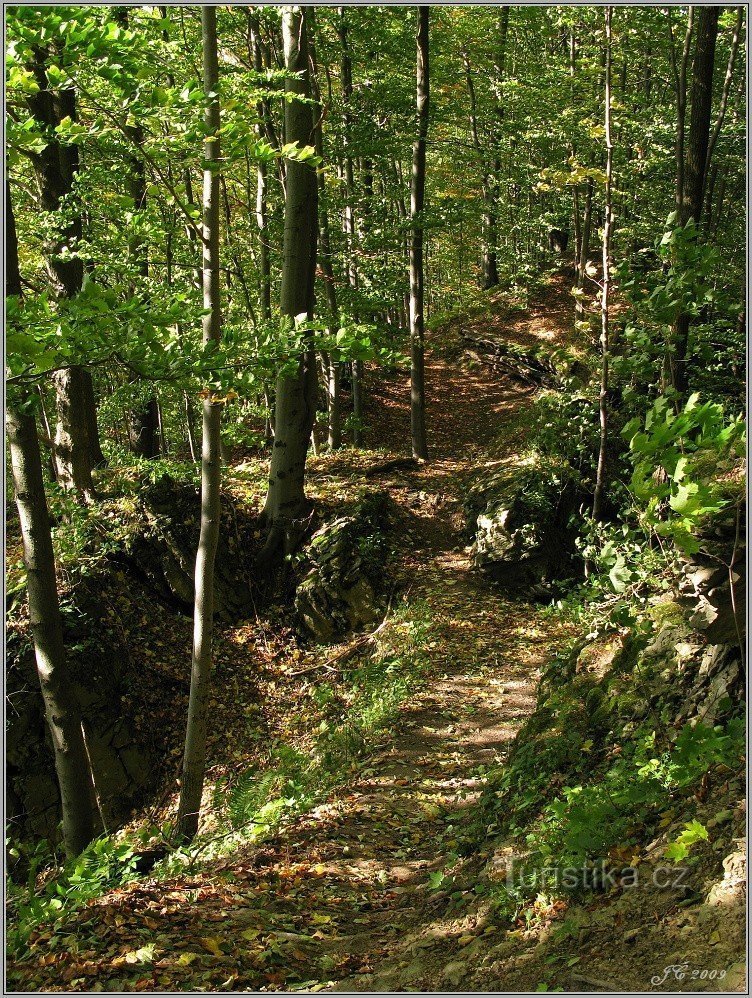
(77, 448)
(295, 407)
(194, 755)
(330, 359)
(417, 206)
(693, 165)
(61, 708)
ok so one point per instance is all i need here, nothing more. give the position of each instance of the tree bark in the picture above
(600, 480)
(695, 171)
(262, 130)
(72, 447)
(490, 263)
(55, 169)
(693, 174)
(194, 756)
(63, 714)
(296, 394)
(349, 216)
(417, 204)
(142, 421)
(330, 361)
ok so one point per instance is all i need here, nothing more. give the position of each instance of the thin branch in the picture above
(726, 86)
(143, 154)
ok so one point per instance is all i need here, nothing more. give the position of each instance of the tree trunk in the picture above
(489, 273)
(695, 171)
(63, 715)
(194, 756)
(330, 359)
(190, 428)
(587, 223)
(695, 165)
(417, 202)
(143, 421)
(261, 181)
(577, 225)
(600, 480)
(89, 405)
(296, 394)
(142, 429)
(55, 169)
(349, 217)
(72, 447)
(490, 265)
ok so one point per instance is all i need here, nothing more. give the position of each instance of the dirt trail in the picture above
(342, 897)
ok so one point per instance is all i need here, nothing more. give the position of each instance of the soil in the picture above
(350, 896)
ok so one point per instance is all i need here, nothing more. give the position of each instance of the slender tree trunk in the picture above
(263, 129)
(55, 169)
(190, 426)
(417, 204)
(587, 223)
(63, 714)
(490, 264)
(330, 359)
(349, 217)
(600, 480)
(296, 394)
(489, 275)
(143, 420)
(715, 213)
(194, 757)
(46, 428)
(696, 163)
(680, 84)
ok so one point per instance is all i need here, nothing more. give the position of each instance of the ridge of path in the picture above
(343, 891)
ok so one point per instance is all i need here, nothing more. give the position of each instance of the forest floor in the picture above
(351, 895)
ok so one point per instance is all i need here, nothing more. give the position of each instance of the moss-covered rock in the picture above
(627, 723)
(164, 550)
(523, 524)
(344, 563)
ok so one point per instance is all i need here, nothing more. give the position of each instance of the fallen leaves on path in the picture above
(339, 889)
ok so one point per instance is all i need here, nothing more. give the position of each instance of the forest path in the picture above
(347, 896)
(362, 912)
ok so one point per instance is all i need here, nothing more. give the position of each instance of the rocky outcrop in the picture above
(343, 586)
(681, 673)
(163, 552)
(716, 590)
(523, 525)
(121, 761)
(143, 579)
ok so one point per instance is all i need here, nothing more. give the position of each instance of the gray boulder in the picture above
(343, 585)
(523, 525)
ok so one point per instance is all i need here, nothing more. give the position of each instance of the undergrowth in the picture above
(600, 768)
(246, 809)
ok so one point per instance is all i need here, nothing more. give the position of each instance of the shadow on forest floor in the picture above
(352, 895)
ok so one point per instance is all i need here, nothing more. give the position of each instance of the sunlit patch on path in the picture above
(353, 883)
